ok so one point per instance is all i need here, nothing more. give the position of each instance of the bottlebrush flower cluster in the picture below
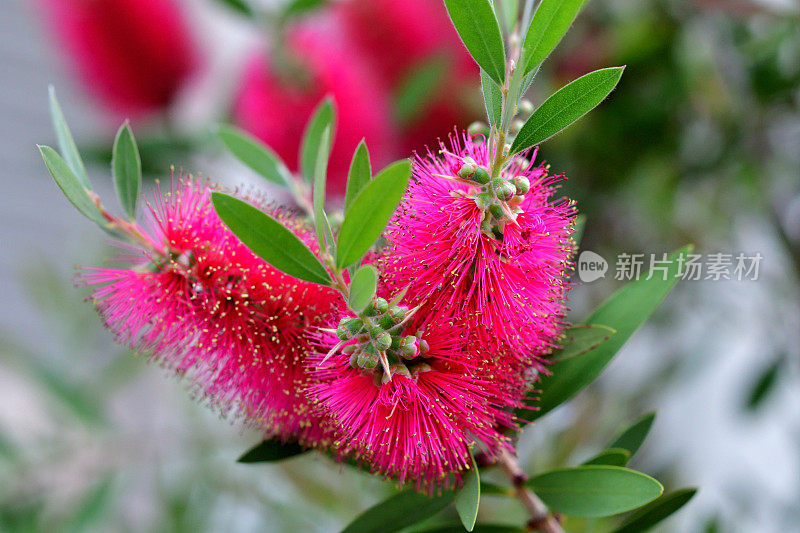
(470, 300)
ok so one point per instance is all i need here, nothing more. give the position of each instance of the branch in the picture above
(541, 519)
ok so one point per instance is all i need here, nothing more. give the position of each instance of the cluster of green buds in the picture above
(498, 198)
(376, 338)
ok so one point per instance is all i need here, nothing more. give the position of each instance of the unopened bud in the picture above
(397, 313)
(483, 201)
(506, 191)
(481, 175)
(522, 184)
(349, 349)
(380, 305)
(367, 360)
(354, 360)
(468, 161)
(386, 322)
(375, 332)
(496, 211)
(422, 368)
(526, 107)
(383, 342)
(409, 347)
(424, 347)
(342, 331)
(400, 370)
(466, 171)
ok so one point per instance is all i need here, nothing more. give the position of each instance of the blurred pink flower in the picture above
(133, 54)
(206, 306)
(278, 95)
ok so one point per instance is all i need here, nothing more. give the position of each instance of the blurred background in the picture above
(699, 143)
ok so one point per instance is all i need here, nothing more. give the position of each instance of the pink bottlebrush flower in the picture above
(499, 269)
(134, 54)
(206, 306)
(278, 95)
(399, 38)
(420, 426)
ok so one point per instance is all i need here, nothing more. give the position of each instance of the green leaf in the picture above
(71, 186)
(360, 174)
(479, 528)
(594, 491)
(631, 439)
(370, 212)
(492, 99)
(415, 91)
(580, 339)
(469, 497)
(625, 311)
(299, 7)
(66, 144)
(362, 288)
(764, 385)
(320, 176)
(270, 451)
(401, 510)
(255, 154)
(548, 26)
(126, 167)
(656, 511)
(496, 490)
(240, 6)
(567, 105)
(479, 30)
(610, 457)
(92, 506)
(324, 116)
(269, 239)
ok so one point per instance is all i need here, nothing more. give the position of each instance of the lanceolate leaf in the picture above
(479, 528)
(625, 311)
(492, 98)
(416, 90)
(370, 212)
(402, 510)
(567, 105)
(580, 339)
(362, 288)
(298, 7)
(478, 28)
(269, 239)
(320, 176)
(66, 144)
(360, 174)
(241, 6)
(469, 497)
(270, 451)
(548, 26)
(126, 167)
(594, 491)
(654, 512)
(324, 115)
(70, 185)
(631, 439)
(610, 457)
(255, 154)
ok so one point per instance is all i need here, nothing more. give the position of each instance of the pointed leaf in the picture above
(240, 6)
(370, 212)
(496, 490)
(469, 497)
(269, 239)
(492, 99)
(362, 288)
(71, 186)
(66, 144)
(567, 105)
(255, 154)
(654, 512)
(126, 167)
(299, 7)
(764, 385)
(270, 451)
(594, 491)
(479, 30)
(401, 510)
(625, 311)
(631, 439)
(324, 116)
(320, 176)
(550, 23)
(360, 174)
(479, 528)
(610, 457)
(415, 91)
(580, 339)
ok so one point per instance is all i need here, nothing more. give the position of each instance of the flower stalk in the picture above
(540, 517)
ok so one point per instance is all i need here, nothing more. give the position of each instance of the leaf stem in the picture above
(541, 518)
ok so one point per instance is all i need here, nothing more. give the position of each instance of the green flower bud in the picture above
(396, 342)
(386, 322)
(380, 305)
(366, 360)
(466, 171)
(522, 184)
(504, 189)
(397, 313)
(486, 227)
(342, 332)
(496, 211)
(375, 332)
(526, 107)
(481, 175)
(354, 360)
(383, 342)
(483, 201)
(424, 347)
(400, 370)
(350, 348)
(354, 325)
(409, 347)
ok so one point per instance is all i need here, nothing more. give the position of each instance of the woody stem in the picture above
(541, 518)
